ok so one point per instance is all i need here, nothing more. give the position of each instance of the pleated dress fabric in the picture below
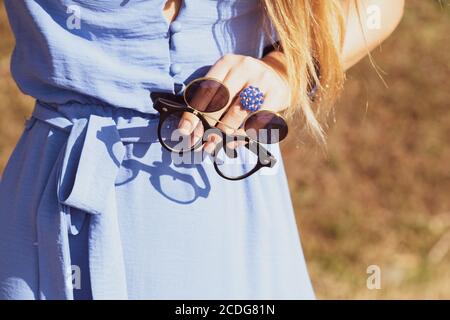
(91, 205)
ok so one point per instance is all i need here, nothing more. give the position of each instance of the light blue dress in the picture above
(91, 206)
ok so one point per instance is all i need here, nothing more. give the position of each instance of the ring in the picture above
(251, 98)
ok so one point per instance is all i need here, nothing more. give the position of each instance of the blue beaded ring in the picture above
(251, 98)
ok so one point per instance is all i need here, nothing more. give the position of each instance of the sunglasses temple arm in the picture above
(161, 103)
(218, 121)
(268, 160)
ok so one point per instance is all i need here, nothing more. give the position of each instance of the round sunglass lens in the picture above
(206, 95)
(266, 127)
(181, 138)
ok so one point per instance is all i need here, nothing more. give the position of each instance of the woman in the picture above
(92, 206)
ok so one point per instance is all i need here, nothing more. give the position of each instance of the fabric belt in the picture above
(86, 170)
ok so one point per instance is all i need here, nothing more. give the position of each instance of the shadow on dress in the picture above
(165, 167)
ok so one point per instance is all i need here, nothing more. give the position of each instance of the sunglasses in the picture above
(236, 156)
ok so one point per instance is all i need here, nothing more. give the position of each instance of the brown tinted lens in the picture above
(266, 127)
(206, 95)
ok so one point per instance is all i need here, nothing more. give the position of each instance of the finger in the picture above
(233, 119)
(213, 140)
(270, 99)
(273, 101)
(229, 124)
(237, 141)
(202, 97)
(188, 123)
(221, 68)
(201, 94)
(231, 143)
(189, 137)
(234, 81)
(236, 114)
(197, 134)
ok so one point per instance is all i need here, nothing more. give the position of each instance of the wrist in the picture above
(276, 60)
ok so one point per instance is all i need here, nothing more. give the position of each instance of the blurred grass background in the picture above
(381, 194)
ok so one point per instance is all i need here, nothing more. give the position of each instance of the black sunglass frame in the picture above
(167, 107)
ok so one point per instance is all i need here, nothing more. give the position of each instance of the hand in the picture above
(237, 72)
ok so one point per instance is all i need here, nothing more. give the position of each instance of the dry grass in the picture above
(382, 193)
(14, 106)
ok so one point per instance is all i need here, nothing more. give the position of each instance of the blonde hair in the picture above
(311, 33)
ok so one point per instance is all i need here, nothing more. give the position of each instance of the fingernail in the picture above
(210, 147)
(185, 127)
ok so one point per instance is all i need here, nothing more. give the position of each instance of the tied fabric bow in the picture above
(85, 173)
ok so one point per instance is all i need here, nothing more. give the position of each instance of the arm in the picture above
(237, 72)
(359, 38)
